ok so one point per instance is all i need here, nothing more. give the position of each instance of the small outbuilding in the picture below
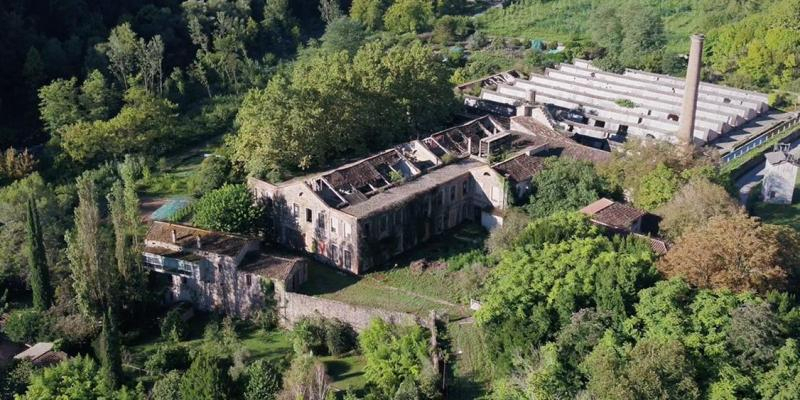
(780, 176)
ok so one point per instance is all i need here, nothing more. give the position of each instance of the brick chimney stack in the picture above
(686, 129)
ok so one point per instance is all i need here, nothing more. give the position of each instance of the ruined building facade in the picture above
(362, 213)
(217, 271)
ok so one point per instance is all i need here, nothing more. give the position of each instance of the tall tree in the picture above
(735, 252)
(111, 356)
(37, 261)
(92, 265)
(369, 12)
(329, 10)
(693, 205)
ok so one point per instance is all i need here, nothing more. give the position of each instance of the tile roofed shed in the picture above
(187, 236)
(270, 265)
(520, 168)
(610, 213)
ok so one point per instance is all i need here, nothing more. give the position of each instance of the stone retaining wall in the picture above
(294, 306)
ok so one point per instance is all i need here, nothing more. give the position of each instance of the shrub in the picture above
(263, 381)
(308, 335)
(172, 326)
(214, 172)
(339, 337)
(168, 387)
(26, 326)
(167, 358)
(230, 208)
(625, 103)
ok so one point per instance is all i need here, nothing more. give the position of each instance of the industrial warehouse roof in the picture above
(652, 102)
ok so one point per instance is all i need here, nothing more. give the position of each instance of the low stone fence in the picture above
(294, 306)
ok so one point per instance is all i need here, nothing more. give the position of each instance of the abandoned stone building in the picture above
(620, 218)
(780, 175)
(217, 271)
(362, 213)
(583, 99)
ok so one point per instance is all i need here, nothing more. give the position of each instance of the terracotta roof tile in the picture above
(186, 236)
(521, 168)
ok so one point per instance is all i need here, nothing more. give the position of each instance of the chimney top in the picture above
(698, 37)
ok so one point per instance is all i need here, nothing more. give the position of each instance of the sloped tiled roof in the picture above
(613, 214)
(269, 265)
(520, 168)
(186, 236)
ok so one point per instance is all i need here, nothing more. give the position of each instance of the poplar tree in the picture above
(91, 264)
(110, 354)
(37, 261)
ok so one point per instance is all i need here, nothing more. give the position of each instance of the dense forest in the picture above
(108, 105)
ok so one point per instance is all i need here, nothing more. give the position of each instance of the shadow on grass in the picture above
(323, 279)
(459, 240)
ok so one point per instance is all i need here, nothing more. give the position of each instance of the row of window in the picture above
(321, 221)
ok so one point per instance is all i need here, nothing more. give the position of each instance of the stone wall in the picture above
(294, 306)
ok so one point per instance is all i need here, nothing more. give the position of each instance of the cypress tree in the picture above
(111, 356)
(37, 261)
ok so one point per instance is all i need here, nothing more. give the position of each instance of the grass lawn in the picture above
(328, 283)
(171, 175)
(445, 283)
(472, 361)
(347, 372)
(779, 214)
(396, 287)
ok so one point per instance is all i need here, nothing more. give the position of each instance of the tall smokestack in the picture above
(686, 129)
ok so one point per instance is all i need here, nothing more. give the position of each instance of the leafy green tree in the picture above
(783, 380)
(214, 172)
(37, 261)
(409, 16)
(369, 12)
(26, 326)
(143, 124)
(167, 387)
(656, 188)
(53, 205)
(263, 381)
(75, 378)
(206, 378)
(652, 369)
(133, 60)
(393, 354)
(58, 105)
(230, 208)
(565, 185)
(754, 335)
(330, 104)
(343, 34)
(693, 205)
(96, 99)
